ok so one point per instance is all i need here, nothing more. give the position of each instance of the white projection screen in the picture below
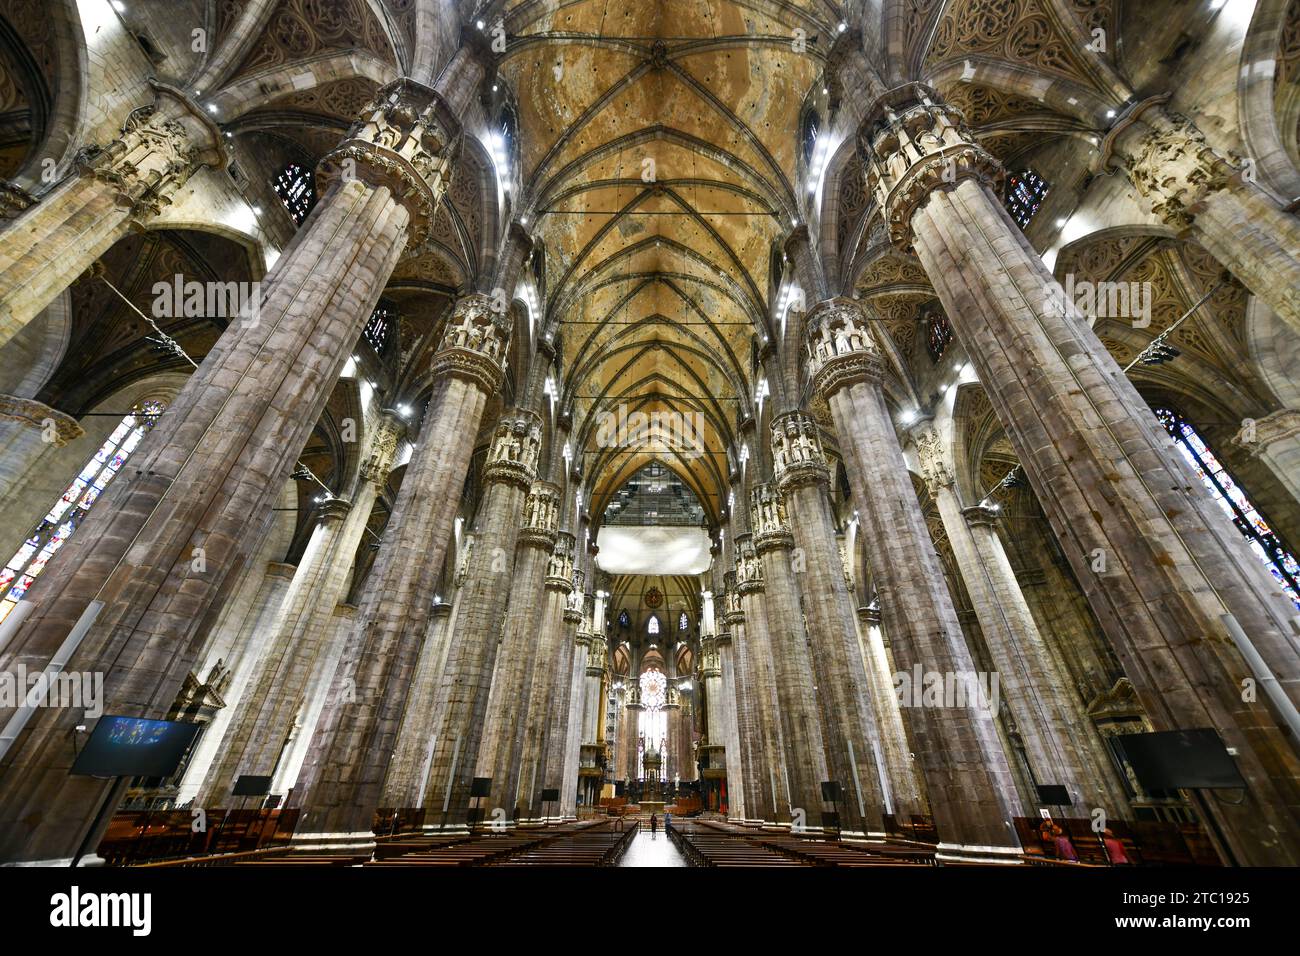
(652, 550)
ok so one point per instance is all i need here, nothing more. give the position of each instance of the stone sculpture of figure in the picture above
(842, 340)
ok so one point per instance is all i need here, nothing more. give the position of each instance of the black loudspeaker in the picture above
(551, 795)
(831, 791)
(250, 786)
(1178, 759)
(1054, 795)
(481, 787)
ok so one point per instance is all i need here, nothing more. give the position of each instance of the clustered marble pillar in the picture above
(301, 651)
(112, 189)
(968, 781)
(848, 721)
(508, 475)
(1049, 719)
(1195, 189)
(1171, 582)
(150, 562)
(798, 710)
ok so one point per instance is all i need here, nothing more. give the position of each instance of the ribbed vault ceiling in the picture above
(659, 148)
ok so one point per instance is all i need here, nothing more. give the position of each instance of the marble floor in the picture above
(652, 849)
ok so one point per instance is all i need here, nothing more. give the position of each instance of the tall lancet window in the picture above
(652, 626)
(1233, 500)
(653, 717)
(65, 516)
(296, 188)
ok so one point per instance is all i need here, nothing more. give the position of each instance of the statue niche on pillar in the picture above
(797, 454)
(917, 145)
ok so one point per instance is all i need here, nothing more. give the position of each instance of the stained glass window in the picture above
(1233, 500)
(297, 190)
(683, 622)
(652, 626)
(1025, 193)
(624, 620)
(938, 333)
(652, 719)
(66, 514)
(379, 327)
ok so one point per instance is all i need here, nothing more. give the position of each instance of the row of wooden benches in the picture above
(713, 843)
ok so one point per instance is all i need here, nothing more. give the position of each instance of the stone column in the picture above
(500, 754)
(115, 188)
(139, 579)
(1046, 713)
(1188, 184)
(1170, 580)
(904, 794)
(546, 725)
(1275, 440)
(302, 642)
(801, 734)
(728, 703)
(467, 677)
(567, 760)
(404, 786)
(343, 776)
(972, 794)
(848, 721)
(251, 636)
(27, 429)
(767, 798)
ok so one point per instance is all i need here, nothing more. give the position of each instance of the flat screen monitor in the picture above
(1054, 794)
(1181, 759)
(134, 747)
(251, 786)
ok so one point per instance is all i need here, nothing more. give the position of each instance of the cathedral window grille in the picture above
(1230, 496)
(653, 720)
(938, 333)
(379, 328)
(1025, 193)
(297, 190)
(66, 514)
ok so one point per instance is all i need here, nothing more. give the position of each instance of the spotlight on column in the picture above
(404, 411)
(1159, 354)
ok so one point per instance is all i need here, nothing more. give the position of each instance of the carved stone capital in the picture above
(333, 509)
(914, 144)
(932, 457)
(1167, 158)
(797, 454)
(402, 141)
(559, 566)
(158, 149)
(55, 427)
(516, 443)
(768, 519)
(869, 615)
(982, 515)
(839, 346)
(1258, 435)
(541, 517)
(388, 431)
(474, 343)
(749, 572)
